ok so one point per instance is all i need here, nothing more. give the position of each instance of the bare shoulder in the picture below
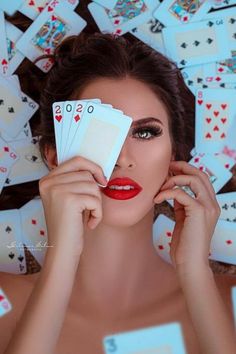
(225, 283)
(17, 288)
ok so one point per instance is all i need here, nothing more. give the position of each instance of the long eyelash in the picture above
(154, 130)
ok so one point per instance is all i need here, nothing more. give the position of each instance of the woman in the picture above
(102, 274)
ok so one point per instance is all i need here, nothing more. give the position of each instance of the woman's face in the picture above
(144, 157)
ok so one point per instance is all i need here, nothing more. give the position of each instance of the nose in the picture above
(125, 158)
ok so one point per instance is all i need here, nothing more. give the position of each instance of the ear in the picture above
(50, 157)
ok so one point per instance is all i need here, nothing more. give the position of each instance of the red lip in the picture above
(122, 194)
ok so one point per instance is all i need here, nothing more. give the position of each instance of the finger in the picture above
(185, 168)
(93, 204)
(70, 177)
(79, 163)
(88, 188)
(202, 193)
(182, 198)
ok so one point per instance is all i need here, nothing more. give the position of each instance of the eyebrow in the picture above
(146, 120)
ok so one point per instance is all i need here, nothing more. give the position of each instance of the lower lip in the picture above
(120, 194)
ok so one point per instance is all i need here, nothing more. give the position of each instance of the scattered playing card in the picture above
(175, 12)
(5, 305)
(4, 64)
(215, 119)
(197, 43)
(7, 159)
(11, 248)
(15, 57)
(32, 8)
(33, 226)
(10, 7)
(120, 17)
(29, 166)
(227, 203)
(233, 293)
(56, 22)
(162, 339)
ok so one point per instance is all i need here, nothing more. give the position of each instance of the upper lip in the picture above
(124, 181)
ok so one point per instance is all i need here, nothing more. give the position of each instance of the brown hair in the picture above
(84, 58)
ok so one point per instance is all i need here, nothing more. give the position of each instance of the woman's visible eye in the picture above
(147, 132)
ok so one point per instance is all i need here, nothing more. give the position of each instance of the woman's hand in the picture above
(69, 193)
(195, 218)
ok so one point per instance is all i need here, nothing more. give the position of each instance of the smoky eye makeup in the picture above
(147, 132)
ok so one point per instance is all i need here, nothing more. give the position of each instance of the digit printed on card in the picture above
(162, 339)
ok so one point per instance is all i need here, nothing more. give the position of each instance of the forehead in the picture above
(135, 98)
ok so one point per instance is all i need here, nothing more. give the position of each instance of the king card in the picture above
(55, 23)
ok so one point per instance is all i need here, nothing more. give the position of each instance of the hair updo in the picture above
(82, 59)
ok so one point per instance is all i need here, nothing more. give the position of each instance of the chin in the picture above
(120, 216)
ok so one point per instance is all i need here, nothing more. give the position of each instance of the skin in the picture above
(115, 241)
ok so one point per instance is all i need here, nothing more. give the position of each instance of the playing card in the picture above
(32, 8)
(221, 3)
(162, 339)
(197, 43)
(3, 46)
(29, 166)
(222, 247)
(162, 234)
(15, 57)
(71, 124)
(223, 244)
(5, 305)
(100, 136)
(34, 232)
(233, 294)
(150, 33)
(12, 257)
(56, 22)
(15, 110)
(25, 133)
(217, 173)
(7, 159)
(175, 12)
(10, 7)
(227, 203)
(215, 112)
(121, 16)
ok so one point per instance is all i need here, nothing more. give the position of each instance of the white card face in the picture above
(175, 12)
(223, 243)
(114, 19)
(5, 305)
(57, 109)
(25, 133)
(7, 159)
(10, 7)
(215, 112)
(227, 203)
(33, 8)
(3, 46)
(150, 33)
(12, 257)
(59, 22)
(197, 43)
(98, 124)
(162, 339)
(15, 110)
(30, 165)
(162, 234)
(233, 292)
(15, 57)
(34, 232)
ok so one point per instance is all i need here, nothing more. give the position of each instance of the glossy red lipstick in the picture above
(122, 194)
